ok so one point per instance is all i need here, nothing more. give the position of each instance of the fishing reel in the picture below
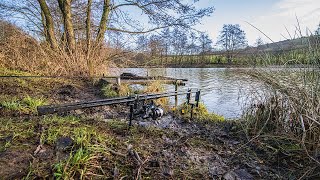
(151, 110)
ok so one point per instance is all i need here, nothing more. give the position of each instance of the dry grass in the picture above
(285, 118)
(20, 51)
(289, 109)
(157, 87)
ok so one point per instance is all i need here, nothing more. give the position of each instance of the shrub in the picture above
(287, 116)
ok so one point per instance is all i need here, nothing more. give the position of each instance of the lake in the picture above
(225, 91)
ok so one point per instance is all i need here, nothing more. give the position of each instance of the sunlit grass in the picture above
(200, 113)
(26, 105)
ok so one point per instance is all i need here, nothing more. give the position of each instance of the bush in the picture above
(18, 50)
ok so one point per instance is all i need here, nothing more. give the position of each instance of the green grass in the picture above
(78, 163)
(94, 143)
(12, 105)
(109, 92)
(32, 103)
(15, 132)
(200, 113)
(26, 105)
(66, 120)
(69, 126)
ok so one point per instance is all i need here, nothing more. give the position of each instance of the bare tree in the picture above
(155, 46)
(317, 32)
(48, 24)
(259, 42)
(142, 43)
(205, 43)
(166, 41)
(179, 43)
(193, 47)
(232, 37)
(61, 23)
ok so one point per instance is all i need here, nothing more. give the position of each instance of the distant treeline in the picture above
(296, 51)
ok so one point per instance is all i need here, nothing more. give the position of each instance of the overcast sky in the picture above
(270, 16)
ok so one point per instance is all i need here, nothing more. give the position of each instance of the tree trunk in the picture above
(103, 22)
(49, 25)
(43, 21)
(65, 7)
(88, 38)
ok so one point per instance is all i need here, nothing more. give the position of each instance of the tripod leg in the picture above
(131, 114)
(191, 113)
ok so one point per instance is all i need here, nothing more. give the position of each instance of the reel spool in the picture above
(152, 111)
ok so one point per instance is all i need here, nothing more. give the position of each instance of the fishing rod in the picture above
(141, 106)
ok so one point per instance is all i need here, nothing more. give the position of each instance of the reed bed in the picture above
(286, 117)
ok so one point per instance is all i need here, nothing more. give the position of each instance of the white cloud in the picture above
(303, 8)
(283, 14)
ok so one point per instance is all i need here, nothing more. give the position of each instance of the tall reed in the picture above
(289, 110)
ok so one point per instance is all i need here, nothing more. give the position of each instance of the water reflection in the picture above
(225, 91)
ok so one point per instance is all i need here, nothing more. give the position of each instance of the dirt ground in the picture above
(169, 148)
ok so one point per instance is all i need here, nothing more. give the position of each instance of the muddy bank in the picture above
(98, 144)
(170, 149)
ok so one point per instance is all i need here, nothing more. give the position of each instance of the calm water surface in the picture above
(225, 91)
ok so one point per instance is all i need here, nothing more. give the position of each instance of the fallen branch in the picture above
(115, 152)
(137, 159)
